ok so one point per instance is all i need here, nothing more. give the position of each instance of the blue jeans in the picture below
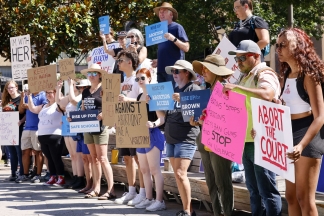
(265, 198)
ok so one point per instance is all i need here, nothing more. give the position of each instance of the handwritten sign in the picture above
(273, 137)
(193, 103)
(222, 49)
(131, 130)
(98, 56)
(20, 56)
(104, 24)
(67, 68)
(221, 132)
(9, 129)
(154, 34)
(42, 78)
(161, 96)
(111, 90)
(66, 127)
(84, 121)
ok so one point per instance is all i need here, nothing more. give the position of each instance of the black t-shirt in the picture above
(246, 32)
(151, 115)
(13, 106)
(92, 101)
(116, 67)
(176, 130)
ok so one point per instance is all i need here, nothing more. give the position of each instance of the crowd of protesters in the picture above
(40, 117)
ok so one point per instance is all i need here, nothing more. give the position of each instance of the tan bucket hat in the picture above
(83, 82)
(182, 64)
(215, 63)
(93, 67)
(168, 6)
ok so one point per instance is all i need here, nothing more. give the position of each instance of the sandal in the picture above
(83, 190)
(91, 194)
(107, 196)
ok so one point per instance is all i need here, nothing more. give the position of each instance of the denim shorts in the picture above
(180, 150)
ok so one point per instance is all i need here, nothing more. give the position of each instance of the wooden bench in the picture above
(199, 189)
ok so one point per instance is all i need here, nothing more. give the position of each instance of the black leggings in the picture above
(52, 148)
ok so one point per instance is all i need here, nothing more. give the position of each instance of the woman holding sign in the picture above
(149, 158)
(180, 136)
(303, 73)
(217, 169)
(10, 102)
(97, 142)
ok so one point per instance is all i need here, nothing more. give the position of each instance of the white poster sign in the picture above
(222, 49)
(9, 129)
(20, 56)
(84, 127)
(273, 139)
(98, 55)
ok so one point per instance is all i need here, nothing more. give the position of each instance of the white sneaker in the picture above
(156, 206)
(125, 198)
(145, 203)
(137, 200)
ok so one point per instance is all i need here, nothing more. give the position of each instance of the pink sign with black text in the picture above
(225, 125)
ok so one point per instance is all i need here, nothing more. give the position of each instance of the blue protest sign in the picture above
(84, 121)
(66, 127)
(154, 34)
(104, 24)
(161, 96)
(193, 103)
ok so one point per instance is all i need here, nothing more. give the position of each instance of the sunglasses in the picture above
(242, 58)
(176, 71)
(131, 36)
(92, 74)
(80, 87)
(120, 60)
(137, 79)
(280, 45)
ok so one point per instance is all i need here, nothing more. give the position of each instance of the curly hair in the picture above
(303, 51)
(5, 95)
(133, 56)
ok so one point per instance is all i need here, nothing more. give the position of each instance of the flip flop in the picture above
(91, 194)
(107, 196)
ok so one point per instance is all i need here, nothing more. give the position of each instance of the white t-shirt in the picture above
(130, 88)
(50, 121)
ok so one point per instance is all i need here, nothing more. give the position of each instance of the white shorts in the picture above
(29, 140)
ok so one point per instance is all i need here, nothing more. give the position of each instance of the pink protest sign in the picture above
(224, 128)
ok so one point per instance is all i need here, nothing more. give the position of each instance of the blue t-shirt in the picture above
(32, 118)
(168, 52)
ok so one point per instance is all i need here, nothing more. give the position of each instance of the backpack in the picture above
(300, 87)
(257, 76)
(266, 49)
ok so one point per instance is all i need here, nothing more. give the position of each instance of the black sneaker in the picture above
(21, 179)
(46, 177)
(69, 186)
(12, 178)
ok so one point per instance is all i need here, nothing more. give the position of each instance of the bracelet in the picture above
(175, 40)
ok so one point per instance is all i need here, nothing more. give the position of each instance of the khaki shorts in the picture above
(97, 139)
(29, 140)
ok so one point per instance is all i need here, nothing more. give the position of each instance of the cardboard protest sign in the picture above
(42, 78)
(98, 56)
(222, 49)
(193, 103)
(84, 121)
(161, 96)
(221, 132)
(104, 24)
(20, 57)
(131, 130)
(66, 127)
(111, 90)
(67, 68)
(273, 139)
(154, 34)
(9, 129)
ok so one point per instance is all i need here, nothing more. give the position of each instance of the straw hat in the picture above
(84, 82)
(215, 63)
(168, 6)
(93, 68)
(182, 64)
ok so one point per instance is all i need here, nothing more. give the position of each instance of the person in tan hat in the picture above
(180, 136)
(217, 169)
(97, 143)
(173, 49)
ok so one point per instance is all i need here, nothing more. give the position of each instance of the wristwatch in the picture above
(175, 40)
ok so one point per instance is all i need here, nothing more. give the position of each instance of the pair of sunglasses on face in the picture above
(89, 74)
(176, 71)
(137, 79)
(242, 58)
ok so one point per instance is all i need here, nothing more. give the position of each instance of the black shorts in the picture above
(315, 149)
(127, 151)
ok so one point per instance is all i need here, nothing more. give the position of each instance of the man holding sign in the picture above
(173, 49)
(259, 81)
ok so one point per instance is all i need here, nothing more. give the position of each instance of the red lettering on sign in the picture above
(271, 116)
(274, 152)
